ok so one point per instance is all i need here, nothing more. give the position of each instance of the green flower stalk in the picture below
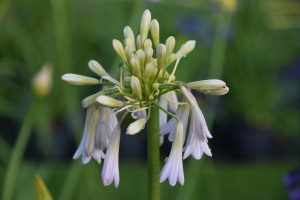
(146, 84)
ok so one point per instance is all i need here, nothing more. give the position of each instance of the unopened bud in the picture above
(136, 126)
(118, 47)
(42, 192)
(140, 53)
(42, 81)
(186, 48)
(154, 61)
(171, 59)
(135, 64)
(138, 42)
(127, 42)
(221, 91)
(109, 102)
(90, 100)
(79, 79)
(127, 79)
(211, 84)
(155, 87)
(151, 97)
(228, 5)
(145, 24)
(97, 68)
(160, 74)
(170, 44)
(128, 51)
(148, 54)
(149, 70)
(136, 87)
(154, 28)
(129, 34)
(147, 43)
(161, 55)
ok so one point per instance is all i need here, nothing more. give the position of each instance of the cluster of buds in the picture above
(143, 82)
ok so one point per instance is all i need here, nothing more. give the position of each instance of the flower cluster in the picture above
(143, 82)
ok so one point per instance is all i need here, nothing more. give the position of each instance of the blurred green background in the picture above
(254, 48)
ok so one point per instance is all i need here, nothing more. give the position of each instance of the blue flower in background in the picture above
(292, 181)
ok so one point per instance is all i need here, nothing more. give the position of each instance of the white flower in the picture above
(173, 169)
(170, 127)
(198, 132)
(110, 171)
(98, 153)
(173, 97)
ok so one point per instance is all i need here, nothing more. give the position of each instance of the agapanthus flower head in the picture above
(144, 81)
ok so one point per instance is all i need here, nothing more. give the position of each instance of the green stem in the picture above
(18, 151)
(153, 154)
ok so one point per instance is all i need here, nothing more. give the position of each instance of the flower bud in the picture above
(211, 84)
(135, 64)
(129, 34)
(160, 74)
(186, 48)
(154, 61)
(127, 42)
(136, 126)
(138, 42)
(170, 44)
(97, 68)
(118, 47)
(109, 102)
(136, 87)
(154, 28)
(147, 43)
(151, 97)
(148, 54)
(90, 100)
(228, 5)
(171, 59)
(149, 70)
(42, 192)
(161, 55)
(221, 91)
(145, 24)
(140, 53)
(153, 74)
(42, 81)
(127, 79)
(79, 80)
(155, 87)
(128, 51)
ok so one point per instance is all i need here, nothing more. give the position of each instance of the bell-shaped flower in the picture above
(170, 127)
(173, 169)
(97, 153)
(110, 171)
(172, 107)
(197, 137)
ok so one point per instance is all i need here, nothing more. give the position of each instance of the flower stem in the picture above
(153, 154)
(18, 151)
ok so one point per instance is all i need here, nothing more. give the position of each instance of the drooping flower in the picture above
(173, 169)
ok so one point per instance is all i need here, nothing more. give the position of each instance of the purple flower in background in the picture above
(294, 194)
(292, 178)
